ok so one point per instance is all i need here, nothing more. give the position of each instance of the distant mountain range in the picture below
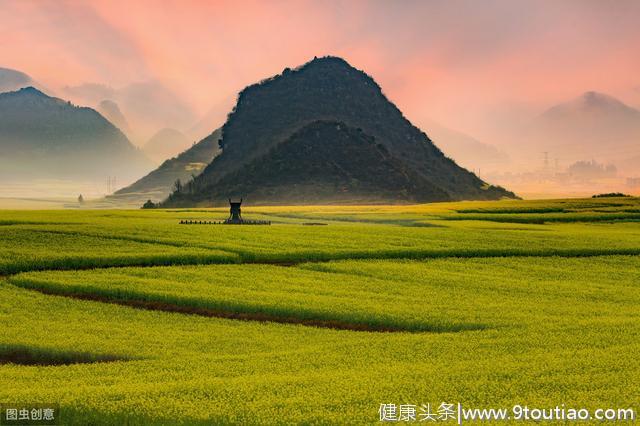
(467, 151)
(46, 137)
(592, 126)
(308, 134)
(157, 185)
(148, 106)
(111, 111)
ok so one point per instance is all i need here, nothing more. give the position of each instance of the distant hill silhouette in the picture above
(592, 103)
(166, 143)
(330, 90)
(591, 126)
(148, 105)
(466, 150)
(111, 111)
(158, 184)
(46, 137)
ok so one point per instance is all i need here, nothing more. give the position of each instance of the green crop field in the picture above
(129, 317)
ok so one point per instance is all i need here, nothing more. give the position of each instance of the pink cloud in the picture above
(457, 60)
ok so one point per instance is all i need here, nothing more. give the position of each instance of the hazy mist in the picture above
(498, 85)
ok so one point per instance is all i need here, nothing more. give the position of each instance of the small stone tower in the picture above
(235, 214)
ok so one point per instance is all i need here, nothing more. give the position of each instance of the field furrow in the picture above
(127, 317)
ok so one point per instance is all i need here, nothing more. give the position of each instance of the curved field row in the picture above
(248, 292)
(527, 329)
(353, 295)
(121, 243)
(557, 329)
(27, 250)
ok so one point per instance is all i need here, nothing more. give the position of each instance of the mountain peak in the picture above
(31, 96)
(592, 95)
(591, 103)
(331, 65)
(334, 67)
(28, 91)
(31, 90)
(333, 60)
(592, 125)
(279, 118)
(596, 99)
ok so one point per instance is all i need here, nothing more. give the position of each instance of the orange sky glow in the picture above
(468, 64)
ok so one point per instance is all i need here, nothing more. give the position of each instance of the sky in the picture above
(471, 65)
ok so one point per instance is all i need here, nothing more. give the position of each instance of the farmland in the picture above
(126, 316)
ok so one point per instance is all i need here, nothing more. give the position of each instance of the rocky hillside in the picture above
(326, 160)
(158, 184)
(330, 90)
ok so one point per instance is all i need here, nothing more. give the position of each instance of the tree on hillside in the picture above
(149, 205)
